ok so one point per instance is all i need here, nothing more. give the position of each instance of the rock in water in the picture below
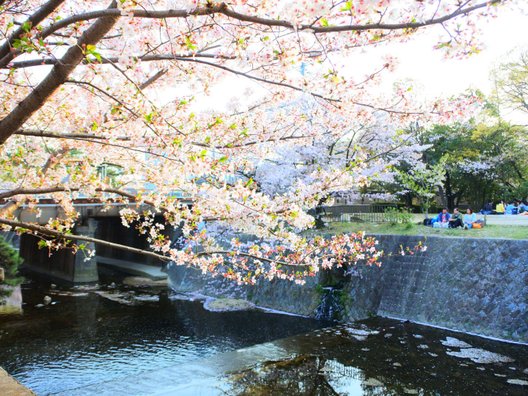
(139, 281)
(478, 355)
(454, 343)
(47, 300)
(517, 382)
(227, 304)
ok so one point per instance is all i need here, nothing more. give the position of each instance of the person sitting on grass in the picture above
(469, 219)
(456, 220)
(499, 209)
(487, 209)
(523, 207)
(442, 220)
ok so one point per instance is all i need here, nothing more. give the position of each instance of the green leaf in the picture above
(347, 6)
(26, 26)
(190, 44)
(148, 117)
(92, 50)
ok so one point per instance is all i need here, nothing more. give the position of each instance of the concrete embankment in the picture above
(10, 387)
(472, 285)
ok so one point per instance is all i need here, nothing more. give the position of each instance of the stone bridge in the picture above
(96, 220)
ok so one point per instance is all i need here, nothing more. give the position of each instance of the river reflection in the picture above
(373, 357)
(386, 357)
(83, 338)
(84, 344)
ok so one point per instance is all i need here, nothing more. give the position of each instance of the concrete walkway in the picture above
(10, 387)
(514, 220)
(132, 268)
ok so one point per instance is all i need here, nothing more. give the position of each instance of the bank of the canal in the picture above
(471, 285)
(10, 387)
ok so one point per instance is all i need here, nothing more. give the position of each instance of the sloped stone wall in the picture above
(278, 294)
(471, 285)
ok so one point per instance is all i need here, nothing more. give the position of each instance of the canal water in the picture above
(88, 336)
(128, 341)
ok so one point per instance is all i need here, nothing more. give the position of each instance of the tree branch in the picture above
(59, 135)
(295, 88)
(56, 77)
(90, 138)
(49, 190)
(222, 8)
(113, 60)
(72, 237)
(5, 50)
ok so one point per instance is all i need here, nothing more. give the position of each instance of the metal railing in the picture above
(363, 213)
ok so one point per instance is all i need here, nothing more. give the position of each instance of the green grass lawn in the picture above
(490, 231)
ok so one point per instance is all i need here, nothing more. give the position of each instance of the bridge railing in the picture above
(364, 213)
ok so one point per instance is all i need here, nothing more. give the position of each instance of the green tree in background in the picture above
(482, 162)
(10, 262)
(423, 182)
(511, 83)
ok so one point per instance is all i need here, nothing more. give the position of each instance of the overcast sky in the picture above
(449, 76)
(434, 76)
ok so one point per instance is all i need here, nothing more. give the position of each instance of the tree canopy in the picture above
(134, 84)
(483, 162)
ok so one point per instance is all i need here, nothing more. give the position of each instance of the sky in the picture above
(431, 73)
(449, 76)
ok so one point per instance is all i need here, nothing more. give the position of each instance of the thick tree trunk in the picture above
(443, 196)
(6, 55)
(408, 200)
(448, 192)
(57, 76)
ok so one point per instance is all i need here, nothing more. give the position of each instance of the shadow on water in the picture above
(373, 357)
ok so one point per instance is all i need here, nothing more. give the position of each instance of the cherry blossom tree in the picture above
(132, 83)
